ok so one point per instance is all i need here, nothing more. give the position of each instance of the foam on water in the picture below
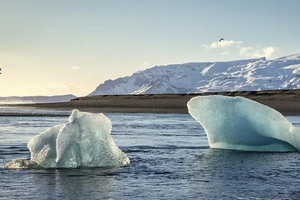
(84, 141)
(241, 124)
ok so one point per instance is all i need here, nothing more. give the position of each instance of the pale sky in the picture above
(71, 46)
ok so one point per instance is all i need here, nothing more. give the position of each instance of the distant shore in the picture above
(285, 101)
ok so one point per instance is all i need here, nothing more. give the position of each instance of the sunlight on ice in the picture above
(238, 123)
(84, 141)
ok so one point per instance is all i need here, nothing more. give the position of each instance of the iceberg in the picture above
(84, 141)
(238, 123)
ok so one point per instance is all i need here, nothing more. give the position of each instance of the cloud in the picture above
(246, 51)
(75, 68)
(222, 44)
(225, 53)
(250, 52)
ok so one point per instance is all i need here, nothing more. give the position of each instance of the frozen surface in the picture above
(84, 141)
(241, 124)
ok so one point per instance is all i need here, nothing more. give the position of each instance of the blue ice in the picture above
(84, 141)
(238, 123)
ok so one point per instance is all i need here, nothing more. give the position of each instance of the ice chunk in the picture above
(22, 164)
(84, 141)
(241, 124)
(43, 147)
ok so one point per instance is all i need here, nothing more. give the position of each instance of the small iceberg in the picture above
(84, 141)
(238, 123)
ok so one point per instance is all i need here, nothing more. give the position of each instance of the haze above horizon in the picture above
(63, 47)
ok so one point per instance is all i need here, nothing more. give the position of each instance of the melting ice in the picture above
(241, 124)
(84, 141)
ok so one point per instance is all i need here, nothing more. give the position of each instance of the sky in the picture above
(71, 46)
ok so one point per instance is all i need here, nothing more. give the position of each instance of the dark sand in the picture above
(285, 101)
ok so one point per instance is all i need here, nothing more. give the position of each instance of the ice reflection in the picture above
(92, 183)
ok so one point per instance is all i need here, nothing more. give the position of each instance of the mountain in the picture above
(241, 75)
(36, 99)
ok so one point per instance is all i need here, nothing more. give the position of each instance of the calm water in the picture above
(170, 159)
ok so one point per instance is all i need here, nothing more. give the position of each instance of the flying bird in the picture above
(221, 39)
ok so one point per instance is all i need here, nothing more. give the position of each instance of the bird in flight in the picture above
(221, 39)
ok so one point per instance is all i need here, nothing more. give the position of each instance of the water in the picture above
(170, 159)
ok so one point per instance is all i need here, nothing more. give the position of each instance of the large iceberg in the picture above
(84, 141)
(238, 123)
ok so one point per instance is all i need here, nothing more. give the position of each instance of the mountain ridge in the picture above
(198, 77)
(36, 99)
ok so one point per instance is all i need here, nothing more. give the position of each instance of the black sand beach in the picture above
(285, 101)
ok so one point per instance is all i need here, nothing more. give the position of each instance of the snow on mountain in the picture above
(242, 75)
(36, 99)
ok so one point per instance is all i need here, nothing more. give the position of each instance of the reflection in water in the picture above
(251, 174)
(93, 183)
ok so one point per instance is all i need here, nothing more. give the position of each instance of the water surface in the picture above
(170, 159)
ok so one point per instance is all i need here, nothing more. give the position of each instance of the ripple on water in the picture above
(171, 161)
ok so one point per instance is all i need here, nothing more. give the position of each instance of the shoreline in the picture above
(287, 102)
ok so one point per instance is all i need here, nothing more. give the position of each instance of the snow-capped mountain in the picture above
(36, 99)
(242, 75)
